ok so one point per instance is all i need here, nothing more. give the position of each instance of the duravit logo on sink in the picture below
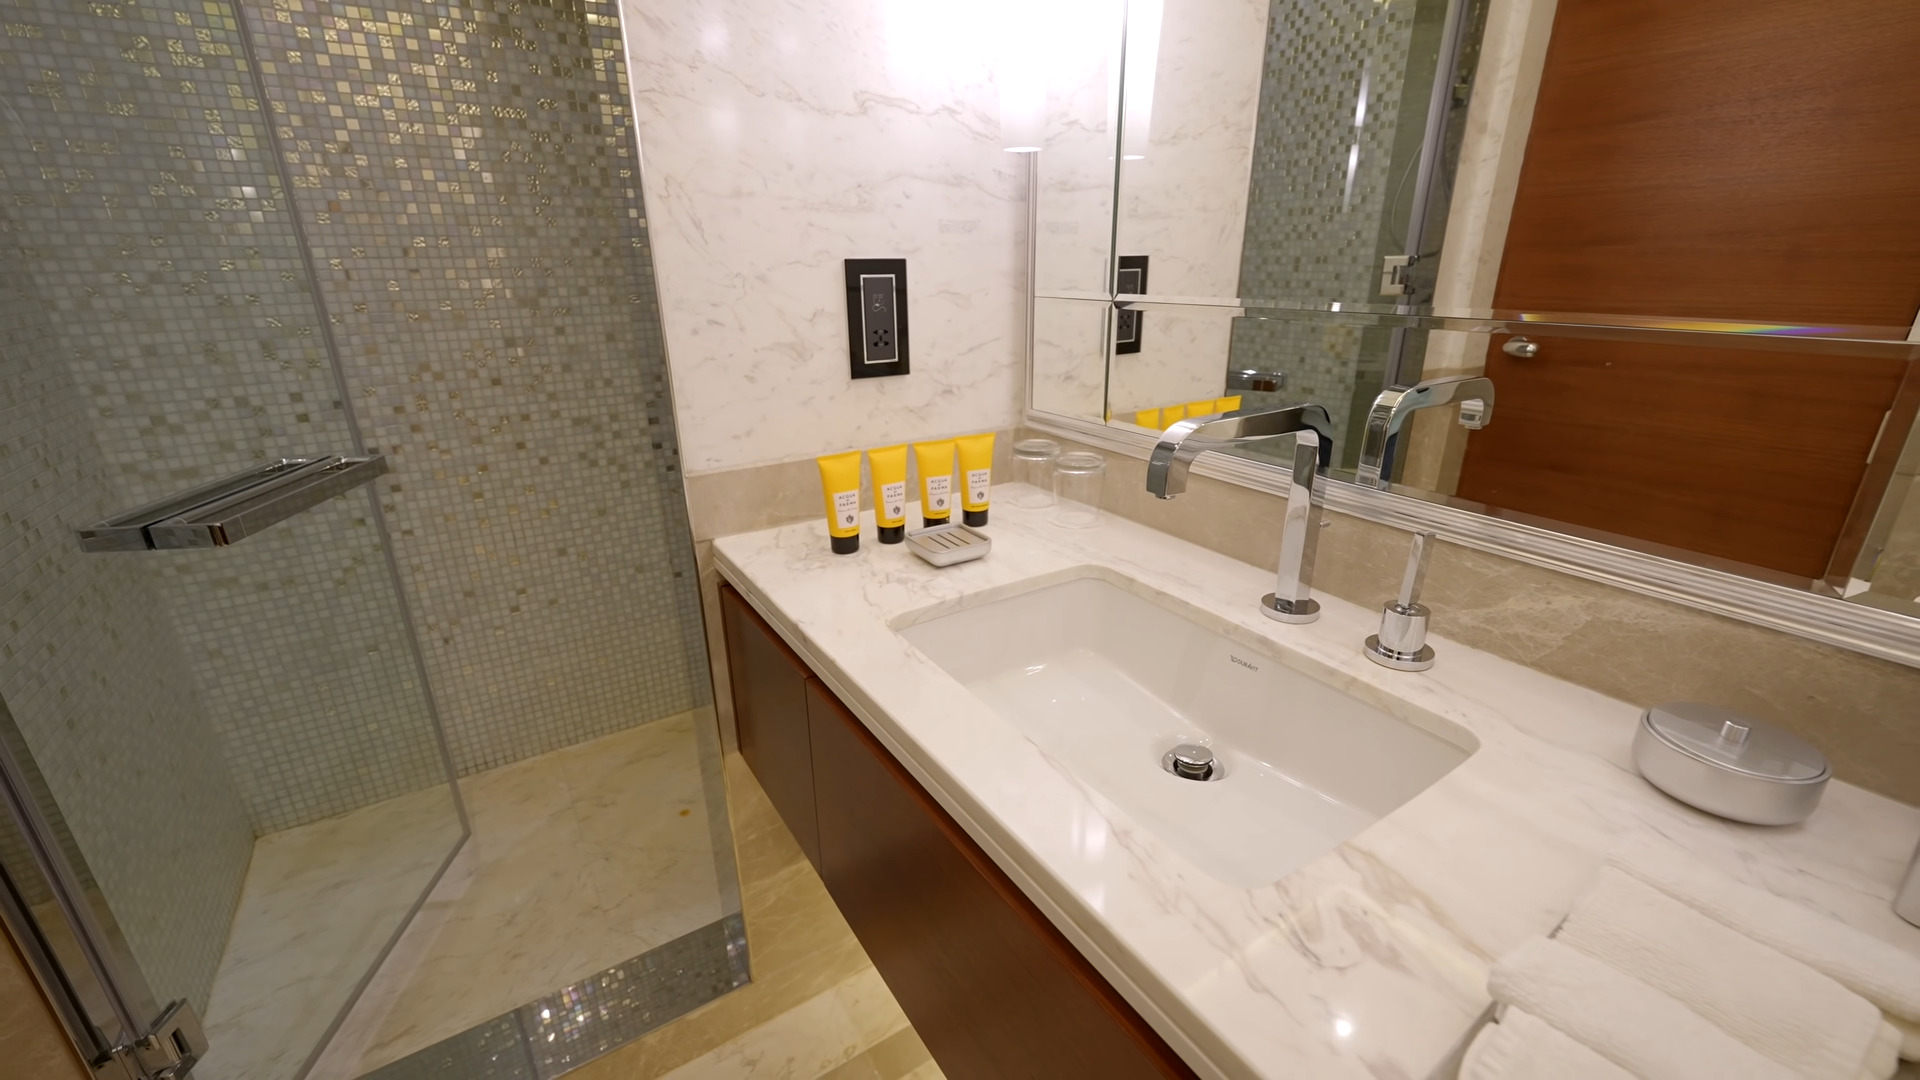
(1248, 664)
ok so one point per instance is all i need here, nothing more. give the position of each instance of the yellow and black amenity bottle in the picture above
(840, 480)
(888, 466)
(976, 476)
(935, 462)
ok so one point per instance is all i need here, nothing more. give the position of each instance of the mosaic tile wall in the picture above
(155, 232)
(93, 675)
(1324, 188)
(468, 180)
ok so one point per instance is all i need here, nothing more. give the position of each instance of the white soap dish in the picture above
(944, 545)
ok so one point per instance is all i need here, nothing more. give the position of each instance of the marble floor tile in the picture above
(319, 904)
(580, 859)
(811, 1039)
(898, 1055)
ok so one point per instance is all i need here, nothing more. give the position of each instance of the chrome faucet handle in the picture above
(1401, 643)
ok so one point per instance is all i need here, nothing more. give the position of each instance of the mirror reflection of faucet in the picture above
(1291, 600)
(1394, 404)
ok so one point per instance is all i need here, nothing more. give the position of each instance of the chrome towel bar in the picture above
(232, 508)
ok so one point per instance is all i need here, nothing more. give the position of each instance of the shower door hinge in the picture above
(1394, 279)
(171, 1048)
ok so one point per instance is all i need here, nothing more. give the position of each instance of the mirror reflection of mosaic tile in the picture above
(565, 1029)
(1343, 102)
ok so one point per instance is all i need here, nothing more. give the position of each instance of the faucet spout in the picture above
(1396, 403)
(1291, 600)
(1188, 439)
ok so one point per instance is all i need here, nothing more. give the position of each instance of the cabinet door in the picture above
(993, 989)
(770, 712)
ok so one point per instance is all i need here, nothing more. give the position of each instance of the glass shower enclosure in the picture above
(228, 784)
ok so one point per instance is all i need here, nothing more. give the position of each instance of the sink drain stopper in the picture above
(1191, 761)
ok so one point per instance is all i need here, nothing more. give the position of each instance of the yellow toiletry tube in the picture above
(1147, 418)
(935, 462)
(840, 479)
(1172, 415)
(976, 475)
(1230, 403)
(888, 464)
(1200, 408)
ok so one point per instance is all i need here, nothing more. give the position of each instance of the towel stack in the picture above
(1665, 971)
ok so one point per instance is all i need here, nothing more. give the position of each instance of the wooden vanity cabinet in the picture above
(770, 715)
(992, 987)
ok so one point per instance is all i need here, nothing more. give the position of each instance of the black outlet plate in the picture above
(877, 317)
(1127, 322)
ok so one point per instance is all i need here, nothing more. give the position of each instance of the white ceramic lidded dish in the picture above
(1728, 764)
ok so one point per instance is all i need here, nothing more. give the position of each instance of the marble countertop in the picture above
(1370, 961)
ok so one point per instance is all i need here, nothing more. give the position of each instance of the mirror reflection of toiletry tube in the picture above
(840, 480)
(935, 461)
(976, 476)
(889, 467)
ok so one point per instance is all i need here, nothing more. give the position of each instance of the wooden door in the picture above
(770, 715)
(1715, 159)
(995, 991)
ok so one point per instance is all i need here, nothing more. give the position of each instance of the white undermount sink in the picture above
(1105, 682)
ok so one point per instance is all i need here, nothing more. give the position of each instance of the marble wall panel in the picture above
(779, 139)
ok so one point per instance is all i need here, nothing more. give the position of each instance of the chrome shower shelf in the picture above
(232, 508)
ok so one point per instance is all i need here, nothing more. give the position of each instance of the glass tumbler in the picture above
(1077, 481)
(1033, 466)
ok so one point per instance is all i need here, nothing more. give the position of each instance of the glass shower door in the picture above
(233, 750)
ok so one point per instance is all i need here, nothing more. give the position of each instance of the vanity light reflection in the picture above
(1342, 1028)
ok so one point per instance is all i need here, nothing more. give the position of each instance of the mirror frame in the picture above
(1802, 612)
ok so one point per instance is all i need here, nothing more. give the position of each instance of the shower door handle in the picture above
(232, 508)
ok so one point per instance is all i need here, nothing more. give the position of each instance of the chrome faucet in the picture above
(1396, 403)
(1291, 600)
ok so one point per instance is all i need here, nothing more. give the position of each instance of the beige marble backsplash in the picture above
(1863, 712)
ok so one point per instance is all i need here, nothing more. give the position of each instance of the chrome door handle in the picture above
(1521, 349)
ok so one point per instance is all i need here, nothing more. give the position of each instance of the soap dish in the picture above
(1728, 764)
(944, 545)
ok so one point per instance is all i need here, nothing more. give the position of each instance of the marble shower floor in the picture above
(580, 859)
(815, 1009)
(319, 904)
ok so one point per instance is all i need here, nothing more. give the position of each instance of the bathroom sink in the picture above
(1106, 682)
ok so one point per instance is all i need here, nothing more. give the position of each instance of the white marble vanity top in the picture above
(1372, 960)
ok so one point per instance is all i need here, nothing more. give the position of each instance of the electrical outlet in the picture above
(1127, 321)
(877, 317)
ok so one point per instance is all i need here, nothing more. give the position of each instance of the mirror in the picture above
(1675, 268)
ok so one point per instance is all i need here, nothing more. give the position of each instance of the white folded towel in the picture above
(1524, 1047)
(1883, 974)
(1628, 1022)
(1777, 1005)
